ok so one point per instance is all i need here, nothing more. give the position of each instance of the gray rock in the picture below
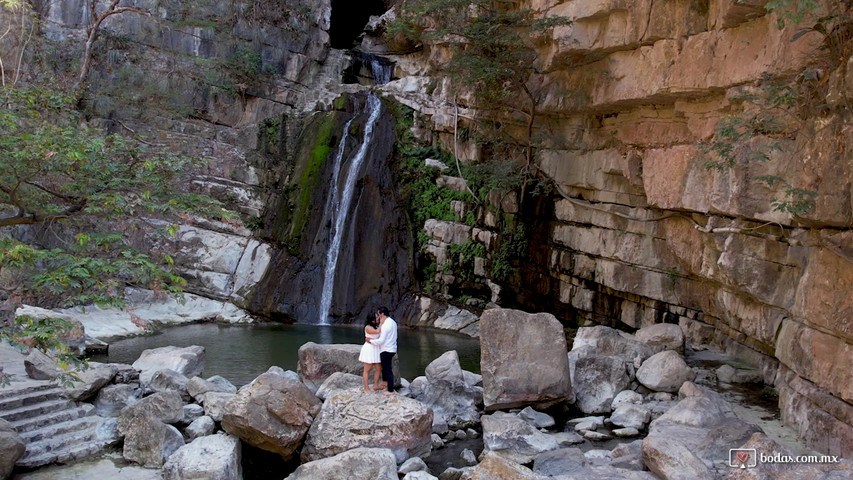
(523, 369)
(597, 457)
(413, 464)
(444, 389)
(514, 438)
(188, 361)
(494, 466)
(340, 381)
(272, 413)
(563, 461)
(106, 432)
(214, 404)
(461, 435)
(436, 441)
(168, 379)
(40, 366)
(192, 412)
(586, 423)
(125, 374)
(537, 419)
(472, 379)
(468, 457)
(597, 380)
(212, 457)
(661, 397)
(113, 398)
(198, 386)
(566, 439)
(730, 374)
(452, 473)
(626, 432)
(472, 433)
(665, 372)
(12, 448)
(166, 407)
(356, 464)
(626, 397)
(595, 436)
(419, 475)
(669, 458)
(200, 427)
(353, 419)
(612, 342)
(150, 442)
(661, 337)
(631, 416)
(91, 381)
(433, 163)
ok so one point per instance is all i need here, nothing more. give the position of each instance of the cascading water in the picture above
(341, 208)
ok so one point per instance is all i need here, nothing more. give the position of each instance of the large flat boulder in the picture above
(356, 464)
(187, 361)
(166, 407)
(665, 372)
(272, 413)
(609, 341)
(91, 381)
(662, 336)
(523, 359)
(597, 380)
(351, 419)
(317, 362)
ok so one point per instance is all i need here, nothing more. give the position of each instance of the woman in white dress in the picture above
(370, 354)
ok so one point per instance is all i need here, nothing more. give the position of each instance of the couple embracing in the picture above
(380, 346)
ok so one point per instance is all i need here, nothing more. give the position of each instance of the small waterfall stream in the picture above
(341, 206)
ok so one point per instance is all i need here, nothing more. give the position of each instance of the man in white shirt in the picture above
(387, 343)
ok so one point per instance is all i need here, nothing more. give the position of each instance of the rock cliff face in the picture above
(635, 99)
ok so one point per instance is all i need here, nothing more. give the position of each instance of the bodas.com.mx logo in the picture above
(742, 458)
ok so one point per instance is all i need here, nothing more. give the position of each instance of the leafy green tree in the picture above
(56, 170)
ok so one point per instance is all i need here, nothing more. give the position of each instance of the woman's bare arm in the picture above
(370, 330)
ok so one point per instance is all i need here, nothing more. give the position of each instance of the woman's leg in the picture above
(365, 375)
(377, 372)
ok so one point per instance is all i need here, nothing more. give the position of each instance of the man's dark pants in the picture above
(387, 371)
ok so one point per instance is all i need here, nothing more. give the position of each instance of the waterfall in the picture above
(381, 71)
(341, 207)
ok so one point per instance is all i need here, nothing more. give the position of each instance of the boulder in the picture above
(213, 457)
(318, 362)
(563, 461)
(166, 407)
(12, 448)
(444, 389)
(669, 458)
(197, 386)
(498, 467)
(523, 359)
(627, 397)
(200, 427)
(353, 419)
(514, 438)
(272, 413)
(90, 381)
(113, 398)
(188, 361)
(664, 372)
(631, 416)
(149, 442)
(357, 464)
(597, 380)
(537, 419)
(419, 475)
(414, 464)
(168, 379)
(40, 366)
(214, 404)
(662, 336)
(191, 412)
(340, 381)
(74, 337)
(125, 373)
(730, 374)
(609, 341)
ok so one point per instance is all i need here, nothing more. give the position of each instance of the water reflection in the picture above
(242, 352)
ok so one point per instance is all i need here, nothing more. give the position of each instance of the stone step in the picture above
(30, 397)
(78, 451)
(13, 391)
(37, 410)
(56, 429)
(60, 443)
(25, 425)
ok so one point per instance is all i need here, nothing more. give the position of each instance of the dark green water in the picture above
(242, 352)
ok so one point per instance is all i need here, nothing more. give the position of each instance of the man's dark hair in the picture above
(384, 311)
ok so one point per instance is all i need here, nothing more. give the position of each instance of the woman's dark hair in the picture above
(370, 320)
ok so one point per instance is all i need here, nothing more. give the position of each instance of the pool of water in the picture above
(242, 352)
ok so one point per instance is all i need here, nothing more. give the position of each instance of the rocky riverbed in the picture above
(611, 405)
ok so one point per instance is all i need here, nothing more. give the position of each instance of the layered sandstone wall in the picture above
(642, 231)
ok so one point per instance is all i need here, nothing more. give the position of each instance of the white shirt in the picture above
(387, 341)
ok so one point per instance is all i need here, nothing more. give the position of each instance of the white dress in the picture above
(369, 352)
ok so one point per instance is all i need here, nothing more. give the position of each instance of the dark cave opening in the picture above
(349, 18)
